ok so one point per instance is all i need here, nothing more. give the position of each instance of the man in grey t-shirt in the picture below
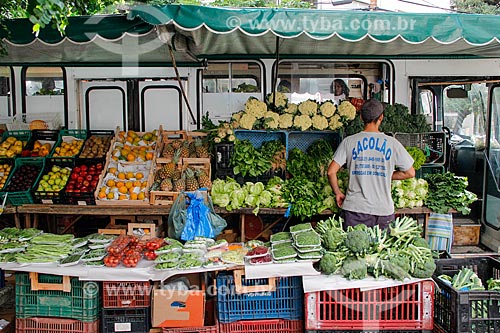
(373, 160)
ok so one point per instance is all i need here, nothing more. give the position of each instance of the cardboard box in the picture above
(143, 230)
(177, 308)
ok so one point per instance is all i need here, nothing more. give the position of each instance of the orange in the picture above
(131, 157)
(115, 158)
(122, 176)
(110, 183)
(102, 195)
(111, 195)
(141, 196)
(139, 175)
(120, 184)
(131, 190)
(129, 184)
(137, 183)
(112, 170)
(133, 196)
(122, 197)
(130, 175)
(123, 189)
(149, 156)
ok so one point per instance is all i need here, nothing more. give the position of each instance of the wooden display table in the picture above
(36, 209)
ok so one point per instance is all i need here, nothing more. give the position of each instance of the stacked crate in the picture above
(56, 304)
(126, 307)
(259, 305)
(404, 308)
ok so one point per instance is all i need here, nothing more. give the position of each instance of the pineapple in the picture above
(177, 174)
(191, 181)
(176, 144)
(201, 149)
(184, 150)
(166, 184)
(168, 151)
(180, 184)
(169, 168)
(203, 179)
(192, 149)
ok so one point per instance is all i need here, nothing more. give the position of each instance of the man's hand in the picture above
(340, 199)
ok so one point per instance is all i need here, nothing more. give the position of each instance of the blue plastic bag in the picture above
(198, 222)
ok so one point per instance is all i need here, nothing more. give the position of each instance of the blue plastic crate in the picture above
(302, 140)
(285, 302)
(258, 137)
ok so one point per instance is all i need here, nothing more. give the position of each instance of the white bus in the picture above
(115, 70)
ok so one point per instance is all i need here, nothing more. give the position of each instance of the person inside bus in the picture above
(284, 86)
(340, 90)
(371, 158)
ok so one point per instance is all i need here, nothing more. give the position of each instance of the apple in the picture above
(93, 183)
(76, 170)
(89, 178)
(74, 176)
(83, 167)
(79, 179)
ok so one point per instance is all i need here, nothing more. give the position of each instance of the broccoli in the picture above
(357, 241)
(392, 270)
(424, 270)
(421, 242)
(330, 263)
(354, 269)
(402, 261)
(333, 238)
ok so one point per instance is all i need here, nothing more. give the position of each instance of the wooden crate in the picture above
(466, 234)
(151, 230)
(116, 231)
(198, 163)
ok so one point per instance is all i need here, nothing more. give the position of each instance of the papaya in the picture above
(37, 145)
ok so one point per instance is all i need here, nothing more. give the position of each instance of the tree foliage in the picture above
(478, 6)
(56, 12)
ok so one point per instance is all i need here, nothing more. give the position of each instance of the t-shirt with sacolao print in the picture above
(371, 158)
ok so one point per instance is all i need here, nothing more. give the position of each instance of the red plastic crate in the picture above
(55, 325)
(126, 294)
(404, 307)
(263, 326)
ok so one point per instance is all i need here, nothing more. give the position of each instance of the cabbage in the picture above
(409, 193)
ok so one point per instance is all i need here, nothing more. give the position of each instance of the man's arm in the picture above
(333, 168)
(400, 174)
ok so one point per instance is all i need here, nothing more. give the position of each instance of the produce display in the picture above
(41, 148)
(84, 178)
(4, 174)
(96, 146)
(447, 191)
(247, 160)
(277, 113)
(23, 178)
(398, 252)
(69, 147)
(11, 147)
(409, 193)
(187, 148)
(134, 146)
(54, 180)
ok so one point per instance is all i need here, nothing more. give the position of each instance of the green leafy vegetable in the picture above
(447, 191)
(418, 156)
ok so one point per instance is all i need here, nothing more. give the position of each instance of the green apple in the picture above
(55, 168)
(46, 177)
(57, 181)
(51, 181)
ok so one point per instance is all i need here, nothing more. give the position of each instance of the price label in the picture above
(82, 203)
(47, 201)
(123, 327)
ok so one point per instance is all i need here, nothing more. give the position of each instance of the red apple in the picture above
(79, 179)
(73, 176)
(76, 170)
(84, 167)
(93, 184)
(89, 177)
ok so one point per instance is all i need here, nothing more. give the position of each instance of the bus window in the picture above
(316, 79)
(465, 111)
(227, 86)
(5, 95)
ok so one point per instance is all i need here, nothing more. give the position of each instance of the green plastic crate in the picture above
(19, 198)
(79, 134)
(82, 302)
(20, 135)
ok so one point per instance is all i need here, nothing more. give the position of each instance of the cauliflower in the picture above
(217, 140)
(302, 122)
(280, 101)
(335, 122)
(292, 108)
(271, 120)
(286, 121)
(327, 109)
(308, 108)
(247, 121)
(231, 138)
(319, 122)
(255, 108)
(221, 133)
(347, 110)
(236, 116)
